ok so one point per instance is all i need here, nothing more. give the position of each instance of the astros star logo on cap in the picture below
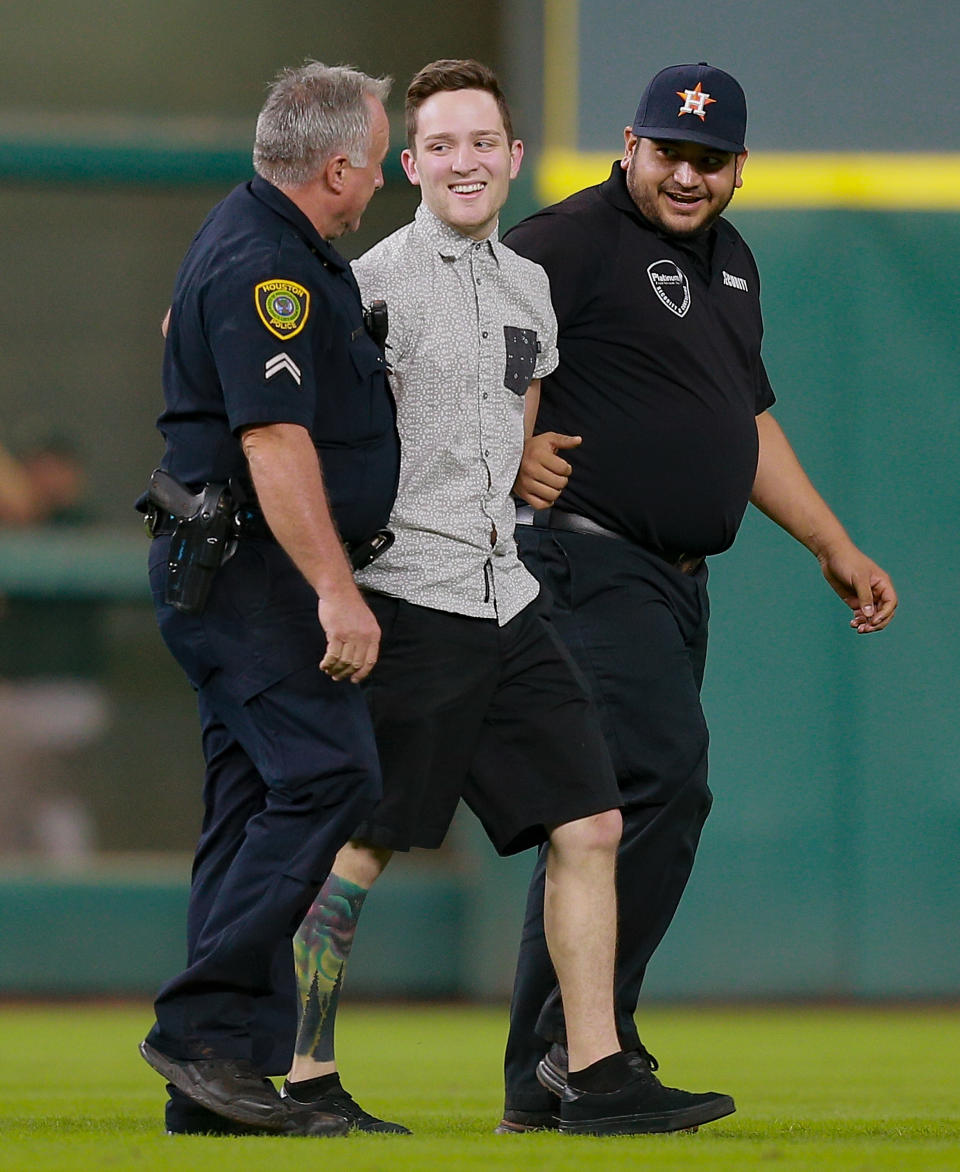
(695, 102)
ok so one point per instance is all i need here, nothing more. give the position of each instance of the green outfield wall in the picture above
(829, 864)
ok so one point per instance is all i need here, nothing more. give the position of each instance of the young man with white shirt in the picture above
(473, 696)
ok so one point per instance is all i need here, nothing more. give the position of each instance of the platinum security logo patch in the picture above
(670, 284)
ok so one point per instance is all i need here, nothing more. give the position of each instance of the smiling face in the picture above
(682, 187)
(461, 159)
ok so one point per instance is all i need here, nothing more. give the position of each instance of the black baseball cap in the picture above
(694, 103)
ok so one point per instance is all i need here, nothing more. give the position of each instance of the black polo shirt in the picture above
(660, 368)
(267, 327)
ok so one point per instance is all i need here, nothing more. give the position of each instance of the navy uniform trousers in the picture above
(291, 769)
(637, 629)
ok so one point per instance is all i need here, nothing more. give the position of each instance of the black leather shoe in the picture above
(185, 1117)
(337, 1101)
(642, 1106)
(515, 1122)
(233, 1088)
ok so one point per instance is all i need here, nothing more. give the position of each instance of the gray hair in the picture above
(310, 114)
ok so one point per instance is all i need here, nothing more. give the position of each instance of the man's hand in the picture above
(353, 636)
(543, 471)
(863, 586)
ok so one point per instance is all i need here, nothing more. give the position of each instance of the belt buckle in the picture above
(687, 563)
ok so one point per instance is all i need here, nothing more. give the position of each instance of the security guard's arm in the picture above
(543, 472)
(783, 491)
(531, 408)
(289, 483)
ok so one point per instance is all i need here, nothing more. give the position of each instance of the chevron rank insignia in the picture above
(282, 306)
(279, 363)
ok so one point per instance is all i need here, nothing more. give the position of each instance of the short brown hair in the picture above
(449, 75)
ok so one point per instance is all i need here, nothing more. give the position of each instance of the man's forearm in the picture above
(531, 407)
(288, 479)
(784, 492)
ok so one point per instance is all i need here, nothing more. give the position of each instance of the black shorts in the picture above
(498, 716)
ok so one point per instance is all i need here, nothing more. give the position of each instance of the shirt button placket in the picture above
(486, 424)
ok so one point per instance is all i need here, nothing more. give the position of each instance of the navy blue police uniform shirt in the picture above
(660, 369)
(267, 327)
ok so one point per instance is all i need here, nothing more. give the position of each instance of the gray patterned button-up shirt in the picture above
(470, 325)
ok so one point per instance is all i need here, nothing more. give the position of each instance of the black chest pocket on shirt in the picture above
(522, 348)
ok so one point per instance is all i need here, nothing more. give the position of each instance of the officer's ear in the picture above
(335, 172)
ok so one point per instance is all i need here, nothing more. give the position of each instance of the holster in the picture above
(204, 536)
(204, 529)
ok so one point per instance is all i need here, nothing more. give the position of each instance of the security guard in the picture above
(661, 401)
(281, 446)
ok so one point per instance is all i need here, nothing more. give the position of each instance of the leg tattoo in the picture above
(321, 948)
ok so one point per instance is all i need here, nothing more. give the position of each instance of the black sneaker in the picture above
(337, 1101)
(515, 1122)
(552, 1068)
(642, 1106)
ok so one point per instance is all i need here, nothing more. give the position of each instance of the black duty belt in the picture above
(249, 523)
(554, 518)
(252, 523)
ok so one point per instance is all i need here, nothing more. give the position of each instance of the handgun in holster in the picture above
(203, 538)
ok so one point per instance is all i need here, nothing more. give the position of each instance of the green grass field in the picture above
(816, 1089)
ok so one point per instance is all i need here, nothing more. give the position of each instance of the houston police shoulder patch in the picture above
(283, 307)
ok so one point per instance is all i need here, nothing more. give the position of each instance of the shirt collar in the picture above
(274, 198)
(448, 241)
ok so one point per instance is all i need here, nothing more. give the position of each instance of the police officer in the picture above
(661, 402)
(273, 389)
